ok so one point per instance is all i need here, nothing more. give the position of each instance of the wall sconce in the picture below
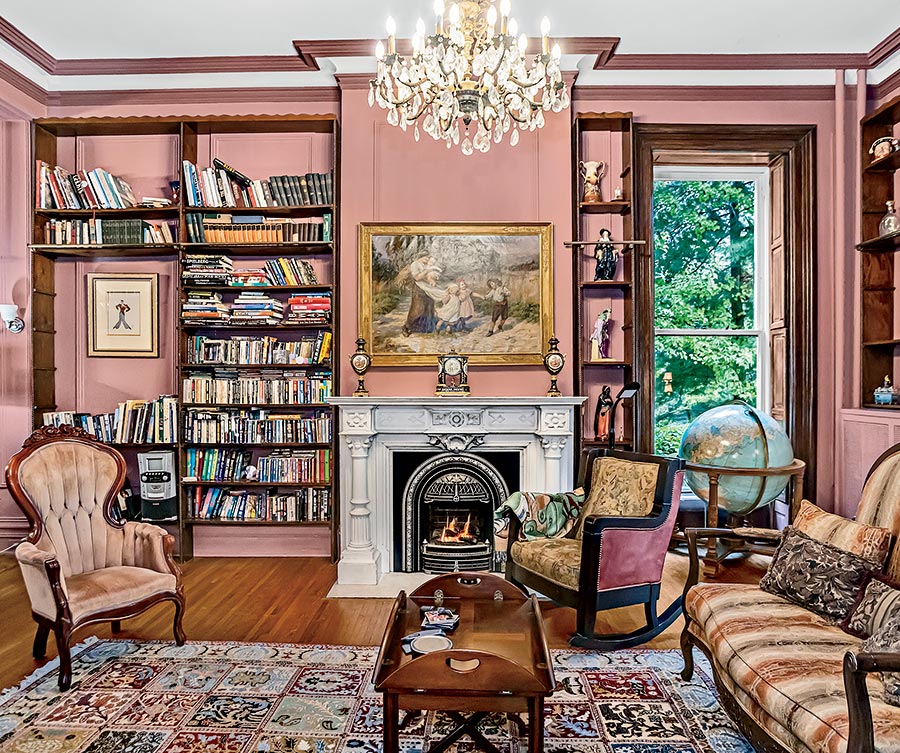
(9, 313)
(667, 382)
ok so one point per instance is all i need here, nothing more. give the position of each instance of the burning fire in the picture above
(453, 532)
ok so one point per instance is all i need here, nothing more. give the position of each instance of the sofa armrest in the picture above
(861, 738)
(44, 581)
(150, 546)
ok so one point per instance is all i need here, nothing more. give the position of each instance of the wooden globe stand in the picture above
(718, 549)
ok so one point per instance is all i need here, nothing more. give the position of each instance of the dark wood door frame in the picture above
(797, 144)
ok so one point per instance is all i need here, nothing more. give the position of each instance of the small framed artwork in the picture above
(483, 289)
(123, 315)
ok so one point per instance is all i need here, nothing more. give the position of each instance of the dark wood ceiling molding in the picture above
(885, 48)
(107, 97)
(213, 64)
(24, 45)
(23, 84)
(353, 81)
(888, 86)
(739, 62)
(703, 93)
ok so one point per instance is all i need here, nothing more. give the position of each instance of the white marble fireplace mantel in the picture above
(540, 429)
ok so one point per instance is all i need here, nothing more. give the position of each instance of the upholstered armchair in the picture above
(614, 555)
(81, 565)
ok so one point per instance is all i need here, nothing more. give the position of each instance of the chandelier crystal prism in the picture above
(470, 82)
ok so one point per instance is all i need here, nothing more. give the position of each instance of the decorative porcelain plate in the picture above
(426, 644)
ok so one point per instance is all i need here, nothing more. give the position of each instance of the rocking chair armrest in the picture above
(596, 524)
(859, 709)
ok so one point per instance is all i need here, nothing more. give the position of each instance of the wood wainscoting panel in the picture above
(864, 435)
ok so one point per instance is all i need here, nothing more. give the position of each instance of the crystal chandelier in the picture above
(469, 82)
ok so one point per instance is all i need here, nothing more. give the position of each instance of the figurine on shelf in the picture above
(606, 255)
(890, 223)
(618, 195)
(601, 414)
(884, 146)
(251, 473)
(600, 336)
(592, 172)
(884, 395)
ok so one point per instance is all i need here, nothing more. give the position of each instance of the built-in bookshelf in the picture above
(607, 138)
(250, 259)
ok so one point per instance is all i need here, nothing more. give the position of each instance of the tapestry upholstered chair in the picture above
(81, 565)
(613, 556)
(790, 678)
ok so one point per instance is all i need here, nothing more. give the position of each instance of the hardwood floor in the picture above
(283, 601)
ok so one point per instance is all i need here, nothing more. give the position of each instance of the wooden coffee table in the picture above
(499, 661)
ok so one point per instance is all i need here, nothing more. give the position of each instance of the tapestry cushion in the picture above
(871, 542)
(817, 576)
(557, 560)
(620, 488)
(785, 666)
(887, 638)
(877, 602)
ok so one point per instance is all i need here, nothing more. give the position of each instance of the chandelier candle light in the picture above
(469, 71)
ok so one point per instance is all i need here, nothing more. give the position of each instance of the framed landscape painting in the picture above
(123, 315)
(482, 289)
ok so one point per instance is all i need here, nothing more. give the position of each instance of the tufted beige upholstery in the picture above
(79, 565)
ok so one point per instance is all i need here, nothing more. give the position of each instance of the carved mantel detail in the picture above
(456, 442)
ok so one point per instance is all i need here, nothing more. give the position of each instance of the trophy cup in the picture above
(554, 362)
(592, 172)
(360, 361)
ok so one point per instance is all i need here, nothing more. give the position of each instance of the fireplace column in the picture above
(360, 560)
(555, 430)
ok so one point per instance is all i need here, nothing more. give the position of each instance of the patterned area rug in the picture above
(154, 697)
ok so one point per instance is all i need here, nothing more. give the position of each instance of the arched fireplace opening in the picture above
(447, 515)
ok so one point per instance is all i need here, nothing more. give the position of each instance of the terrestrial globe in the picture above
(737, 435)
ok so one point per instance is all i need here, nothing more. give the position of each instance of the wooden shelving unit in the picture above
(878, 296)
(193, 136)
(608, 137)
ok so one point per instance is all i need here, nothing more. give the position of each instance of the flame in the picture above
(452, 531)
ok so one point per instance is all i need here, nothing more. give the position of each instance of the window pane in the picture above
(706, 371)
(704, 267)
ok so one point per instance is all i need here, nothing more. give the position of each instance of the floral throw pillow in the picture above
(887, 638)
(815, 575)
(871, 542)
(877, 603)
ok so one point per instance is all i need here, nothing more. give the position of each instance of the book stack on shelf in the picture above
(206, 269)
(215, 464)
(258, 351)
(253, 228)
(223, 186)
(250, 278)
(258, 426)
(254, 307)
(236, 505)
(261, 388)
(133, 422)
(310, 309)
(57, 188)
(293, 467)
(204, 307)
(283, 271)
(112, 232)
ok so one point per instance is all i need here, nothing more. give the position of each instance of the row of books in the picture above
(254, 427)
(223, 186)
(258, 351)
(57, 188)
(303, 505)
(226, 228)
(119, 231)
(285, 389)
(284, 271)
(134, 421)
(309, 309)
(296, 467)
(216, 465)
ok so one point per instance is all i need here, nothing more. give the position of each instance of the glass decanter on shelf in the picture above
(890, 223)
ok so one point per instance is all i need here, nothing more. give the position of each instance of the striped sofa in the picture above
(791, 679)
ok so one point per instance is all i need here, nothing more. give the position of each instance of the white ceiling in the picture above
(167, 28)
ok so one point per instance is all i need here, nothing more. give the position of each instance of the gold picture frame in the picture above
(484, 289)
(123, 315)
